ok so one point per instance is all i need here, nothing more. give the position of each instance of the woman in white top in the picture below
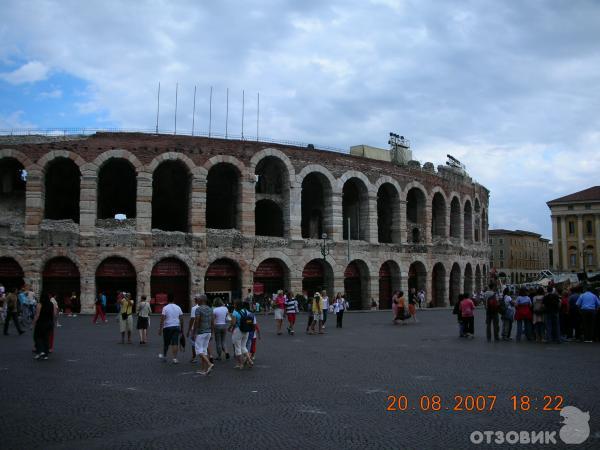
(325, 306)
(339, 307)
(143, 312)
(221, 314)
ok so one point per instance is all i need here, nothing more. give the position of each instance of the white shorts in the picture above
(318, 316)
(239, 341)
(201, 343)
(279, 314)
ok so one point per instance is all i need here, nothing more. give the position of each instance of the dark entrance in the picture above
(353, 285)
(171, 277)
(62, 183)
(11, 274)
(222, 280)
(269, 278)
(385, 286)
(115, 275)
(61, 278)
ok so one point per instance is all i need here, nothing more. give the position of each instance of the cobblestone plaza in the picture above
(328, 391)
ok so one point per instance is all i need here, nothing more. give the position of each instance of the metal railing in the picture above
(64, 132)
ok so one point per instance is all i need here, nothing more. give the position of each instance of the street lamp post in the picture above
(325, 245)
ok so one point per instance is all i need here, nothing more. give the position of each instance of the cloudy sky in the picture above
(510, 88)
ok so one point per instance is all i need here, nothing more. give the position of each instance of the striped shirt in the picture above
(291, 306)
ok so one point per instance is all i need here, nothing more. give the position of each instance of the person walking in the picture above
(143, 319)
(340, 306)
(43, 323)
(190, 329)
(309, 305)
(551, 311)
(220, 313)
(171, 326)
(204, 326)
(291, 309)
(11, 311)
(400, 308)
(126, 318)
(56, 324)
(279, 306)
(467, 312)
(421, 298)
(588, 303)
(507, 311)
(491, 313)
(325, 300)
(412, 309)
(523, 315)
(538, 315)
(240, 327)
(99, 308)
(458, 314)
(317, 312)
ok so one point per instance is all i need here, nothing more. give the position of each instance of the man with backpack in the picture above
(242, 322)
(492, 308)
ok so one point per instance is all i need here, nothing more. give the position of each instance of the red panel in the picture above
(221, 269)
(271, 268)
(313, 269)
(352, 271)
(116, 268)
(258, 288)
(9, 268)
(170, 267)
(60, 268)
(384, 271)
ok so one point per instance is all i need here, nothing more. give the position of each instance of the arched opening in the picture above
(485, 276)
(268, 219)
(270, 276)
(478, 284)
(455, 218)
(60, 277)
(417, 277)
(415, 214)
(355, 208)
(438, 285)
(12, 192)
(61, 190)
(11, 274)
(477, 206)
(484, 226)
(223, 280)
(438, 215)
(389, 281)
(468, 222)
(222, 197)
(316, 206)
(170, 277)
(171, 197)
(573, 262)
(468, 281)
(317, 276)
(477, 228)
(115, 275)
(356, 285)
(454, 285)
(117, 189)
(273, 186)
(388, 214)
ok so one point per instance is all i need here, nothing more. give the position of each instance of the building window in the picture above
(588, 206)
(572, 260)
(589, 228)
(501, 241)
(571, 227)
(570, 207)
(501, 263)
(501, 253)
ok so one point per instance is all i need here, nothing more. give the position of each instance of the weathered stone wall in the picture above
(91, 241)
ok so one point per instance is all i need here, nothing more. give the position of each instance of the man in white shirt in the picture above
(171, 325)
(190, 336)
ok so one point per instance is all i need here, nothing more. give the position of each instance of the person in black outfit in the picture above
(12, 304)
(551, 310)
(43, 326)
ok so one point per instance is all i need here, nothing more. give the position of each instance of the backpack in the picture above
(492, 304)
(246, 321)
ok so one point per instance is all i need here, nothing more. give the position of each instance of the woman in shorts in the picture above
(143, 312)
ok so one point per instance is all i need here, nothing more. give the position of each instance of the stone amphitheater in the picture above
(199, 214)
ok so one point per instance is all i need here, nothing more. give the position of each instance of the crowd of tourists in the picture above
(542, 315)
